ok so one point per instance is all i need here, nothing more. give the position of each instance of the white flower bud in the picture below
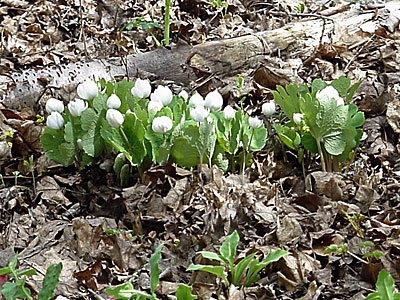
(199, 113)
(184, 95)
(268, 108)
(55, 120)
(213, 100)
(196, 99)
(162, 124)
(54, 105)
(255, 122)
(113, 102)
(154, 105)
(329, 93)
(77, 107)
(79, 143)
(87, 90)
(142, 88)
(162, 94)
(229, 112)
(114, 118)
(297, 118)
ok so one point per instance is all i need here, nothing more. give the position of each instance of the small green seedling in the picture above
(29, 164)
(385, 287)
(223, 5)
(39, 119)
(16, 175)
(355, 221)
(126, 291)
(243, 273)
(147, 26)
(238, 88)
(367, 258)
(16, 289)
(370, 256)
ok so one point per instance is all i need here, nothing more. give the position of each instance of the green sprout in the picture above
(29, 164)
(223, 5)
(243, 273)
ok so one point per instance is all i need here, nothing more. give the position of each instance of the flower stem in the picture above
(166, 22)
(126, 139)
(321, 154)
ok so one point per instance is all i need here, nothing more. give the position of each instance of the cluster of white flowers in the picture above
(86, 90)
(203, 106)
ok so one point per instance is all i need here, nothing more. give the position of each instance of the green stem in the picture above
(247, 148)
(322, 156)
(166, 22)
(126, 139)
(23, 287)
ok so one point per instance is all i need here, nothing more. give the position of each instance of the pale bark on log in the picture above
(184, 64)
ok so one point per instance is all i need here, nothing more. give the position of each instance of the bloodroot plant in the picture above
(144, 126)
(322, 120)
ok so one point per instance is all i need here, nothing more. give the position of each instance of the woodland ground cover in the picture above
(105, 235)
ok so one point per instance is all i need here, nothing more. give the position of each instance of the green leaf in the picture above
(92, 142)
(154, 269)
(134, 131)
(259, 138)
(64, 154)
(126, 291)
(211, 255)
(256, 267)
(15, 290)
(318, 84)
(288, 99)
(288, 136)
(352, 90)
(5, 271)
(50, 281)
(52, 138)
(29, 272)
(184, 292)
(384, 287)
(228, 249)
(342, 84)
(123, 91)
(184, 151)
(216, 270)
(240, 268)
(366, 244)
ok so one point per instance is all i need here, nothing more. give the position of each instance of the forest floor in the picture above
(105, 235)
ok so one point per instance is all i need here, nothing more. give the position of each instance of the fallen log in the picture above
(184, 64)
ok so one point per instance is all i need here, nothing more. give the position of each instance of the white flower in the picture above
(54, 105)
(184, 95)
(268, 108)
(213, 100)
(77, 107)
(162, 124)
(297, 118)
(162, 94)
(255, 122)
(142, 88)
(114, 118)
(154, 105)
(229, 112)
(329, 93)
(87, 90)
(196, 99)
(113, 101)
(55, 120)
(199, 113)
(79, 143)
